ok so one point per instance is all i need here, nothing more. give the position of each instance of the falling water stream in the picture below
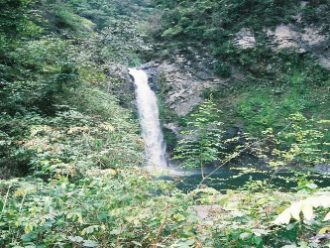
(155, 149)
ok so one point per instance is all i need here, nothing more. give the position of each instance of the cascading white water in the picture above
(155, 148)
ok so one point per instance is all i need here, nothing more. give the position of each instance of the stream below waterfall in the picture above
(234, 178)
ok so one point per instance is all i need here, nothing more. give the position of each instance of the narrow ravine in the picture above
(155, 148)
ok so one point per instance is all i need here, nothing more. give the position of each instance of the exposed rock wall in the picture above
(289, 36)
(181, 88)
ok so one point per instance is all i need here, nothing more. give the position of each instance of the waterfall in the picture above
(155, 148)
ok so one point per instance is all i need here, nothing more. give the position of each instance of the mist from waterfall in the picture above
(155, 149)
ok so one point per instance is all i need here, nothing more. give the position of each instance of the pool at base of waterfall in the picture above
(230, 179)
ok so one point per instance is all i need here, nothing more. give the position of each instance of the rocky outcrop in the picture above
(322, 168)
(182, 89)
(245, 39)
(182, 86)
(308, 39)
(289, 36)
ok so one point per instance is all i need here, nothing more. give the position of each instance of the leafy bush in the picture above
(269, 105)
(214, 23)
(204, 139)
(14, 159)
(302, 142)
(107, 208)
(316, 14)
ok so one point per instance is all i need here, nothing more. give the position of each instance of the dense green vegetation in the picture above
(210, 26)
(70, 145)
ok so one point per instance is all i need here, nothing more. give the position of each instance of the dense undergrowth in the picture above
(70, 148)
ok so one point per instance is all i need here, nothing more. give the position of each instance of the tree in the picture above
(203, 139)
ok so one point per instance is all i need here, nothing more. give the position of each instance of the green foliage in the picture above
(107, 208)
(308, 139)
(302, 142)
(213, 25)
(258, 111)
(316, 14)
(265, 106)
(53, 68)
(222, 69)
(65, 19)
(121, 39)
(14, 159)
(13, 16)
(45, 71)
(266, 87)
(217, 16)
(71, 143)
(124, 208)
(204, 138)
(241, 218)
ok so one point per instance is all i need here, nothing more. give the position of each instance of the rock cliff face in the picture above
(288, 36)
(182, 89)
(308, 39)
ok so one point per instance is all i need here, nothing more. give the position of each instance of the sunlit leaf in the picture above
(324, 230)
(327, 217)
(283, 218)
